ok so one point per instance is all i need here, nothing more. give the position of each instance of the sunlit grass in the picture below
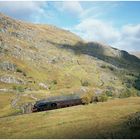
(89, 121)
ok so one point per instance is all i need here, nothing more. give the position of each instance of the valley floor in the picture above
(101, 120)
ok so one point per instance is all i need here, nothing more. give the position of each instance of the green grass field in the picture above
(101, 120)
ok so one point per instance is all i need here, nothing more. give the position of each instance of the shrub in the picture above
(18, 70)
(137, 83)
(131, 74)
(138, 93)
(24, 74)
(102, 98)
(96, 99)
(87, 98)
(54, 82)
(103, 66)
(111, 68)
(133, 121)
(127, 93)
(108, 66)
(85, 83)
(18, 88)
(124, 95)
(128, 82)
(109, 93)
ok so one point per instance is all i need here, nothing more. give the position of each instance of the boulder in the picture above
(43, 85)
(11, 79)
(6, 65)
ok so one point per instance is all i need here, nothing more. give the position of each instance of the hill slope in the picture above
(103, 120)
(45, 57)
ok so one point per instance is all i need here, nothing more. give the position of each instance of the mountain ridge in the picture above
(137, 54)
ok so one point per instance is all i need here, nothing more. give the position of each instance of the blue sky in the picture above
(114, 23)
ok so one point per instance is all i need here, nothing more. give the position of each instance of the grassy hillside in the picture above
(101, 120)
(36, 57)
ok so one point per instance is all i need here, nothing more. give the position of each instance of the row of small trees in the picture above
(90, 98)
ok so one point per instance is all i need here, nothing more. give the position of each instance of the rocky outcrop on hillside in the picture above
(6, 65)
(10, 79)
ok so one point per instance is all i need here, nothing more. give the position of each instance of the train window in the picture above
(43, 105)
(54, 105)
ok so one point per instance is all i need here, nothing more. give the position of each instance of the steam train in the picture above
(56, 102)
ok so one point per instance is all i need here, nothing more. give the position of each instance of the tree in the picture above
(87, 98)
(102, 98)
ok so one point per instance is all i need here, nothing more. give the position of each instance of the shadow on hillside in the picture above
(137, 83)
(97, 50)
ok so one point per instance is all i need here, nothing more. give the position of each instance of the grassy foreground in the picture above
(102, 120)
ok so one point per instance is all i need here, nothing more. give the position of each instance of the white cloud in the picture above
(91, 27)
(131, 30)
(130, 38)
(97, 30)
(73, 7)
(30, 10)
(127, 38)
(93, 12)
